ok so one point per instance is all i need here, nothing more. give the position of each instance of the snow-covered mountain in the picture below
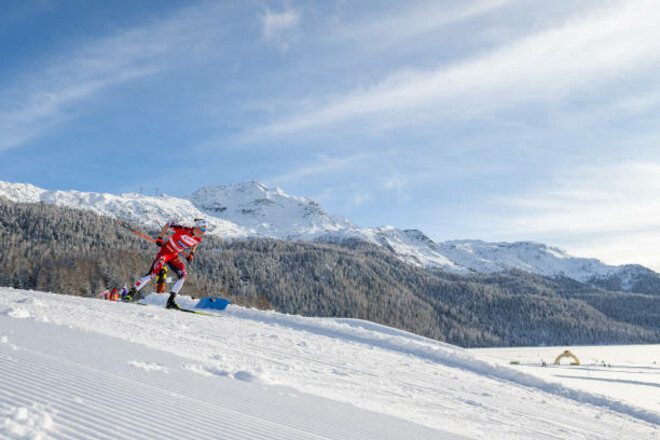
(268, 212)
(539, 258)
(251, 209)
(148, 211)
(476, 256)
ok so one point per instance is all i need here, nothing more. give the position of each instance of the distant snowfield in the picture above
(630, 373)
(83, 368)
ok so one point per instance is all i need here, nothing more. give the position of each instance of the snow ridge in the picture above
(267, 212)
(484, 257)
(251, 209)
(148, 211)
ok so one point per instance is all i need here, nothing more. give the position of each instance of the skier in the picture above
(182, 238)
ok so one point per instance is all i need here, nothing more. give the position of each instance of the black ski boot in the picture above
(133, 295)
(171, 304)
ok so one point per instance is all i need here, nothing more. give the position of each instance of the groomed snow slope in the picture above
(83, 368)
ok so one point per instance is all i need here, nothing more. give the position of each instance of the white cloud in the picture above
(322, 166)
(622, 197)
(414, 21)
(548, 66)
(275, 23)
(39, 101)
(360, 198)
(612, 212)
(630, 248)
(397, 184)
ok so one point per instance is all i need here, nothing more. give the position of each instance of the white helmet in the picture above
(201, 224)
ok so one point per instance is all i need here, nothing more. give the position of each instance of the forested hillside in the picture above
(78, 252)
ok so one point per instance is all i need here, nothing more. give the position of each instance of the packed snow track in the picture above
(80, 368)
(94, 388)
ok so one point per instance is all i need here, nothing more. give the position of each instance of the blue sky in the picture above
(499, 119)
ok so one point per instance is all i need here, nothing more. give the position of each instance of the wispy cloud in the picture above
(397, 184)
(360, 198)
(322, 165)
(275, 23)
(40, 101)
(609, 211)
(551, 65)
(413, 21)
(615, 198)
(365, 176)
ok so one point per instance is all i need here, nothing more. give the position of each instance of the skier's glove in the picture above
(190, 257)
(159, 241)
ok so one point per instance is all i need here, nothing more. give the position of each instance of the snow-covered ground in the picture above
(83, 368)
(629, 373)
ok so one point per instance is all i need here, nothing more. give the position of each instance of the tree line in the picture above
(77, 252)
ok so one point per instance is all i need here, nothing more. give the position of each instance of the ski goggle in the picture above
(202, 228)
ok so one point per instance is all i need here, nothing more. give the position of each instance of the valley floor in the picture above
(629, 373)
(82, 368)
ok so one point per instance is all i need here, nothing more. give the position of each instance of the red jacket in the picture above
(181, 240)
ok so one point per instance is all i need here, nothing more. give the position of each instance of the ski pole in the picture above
(137, 232)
